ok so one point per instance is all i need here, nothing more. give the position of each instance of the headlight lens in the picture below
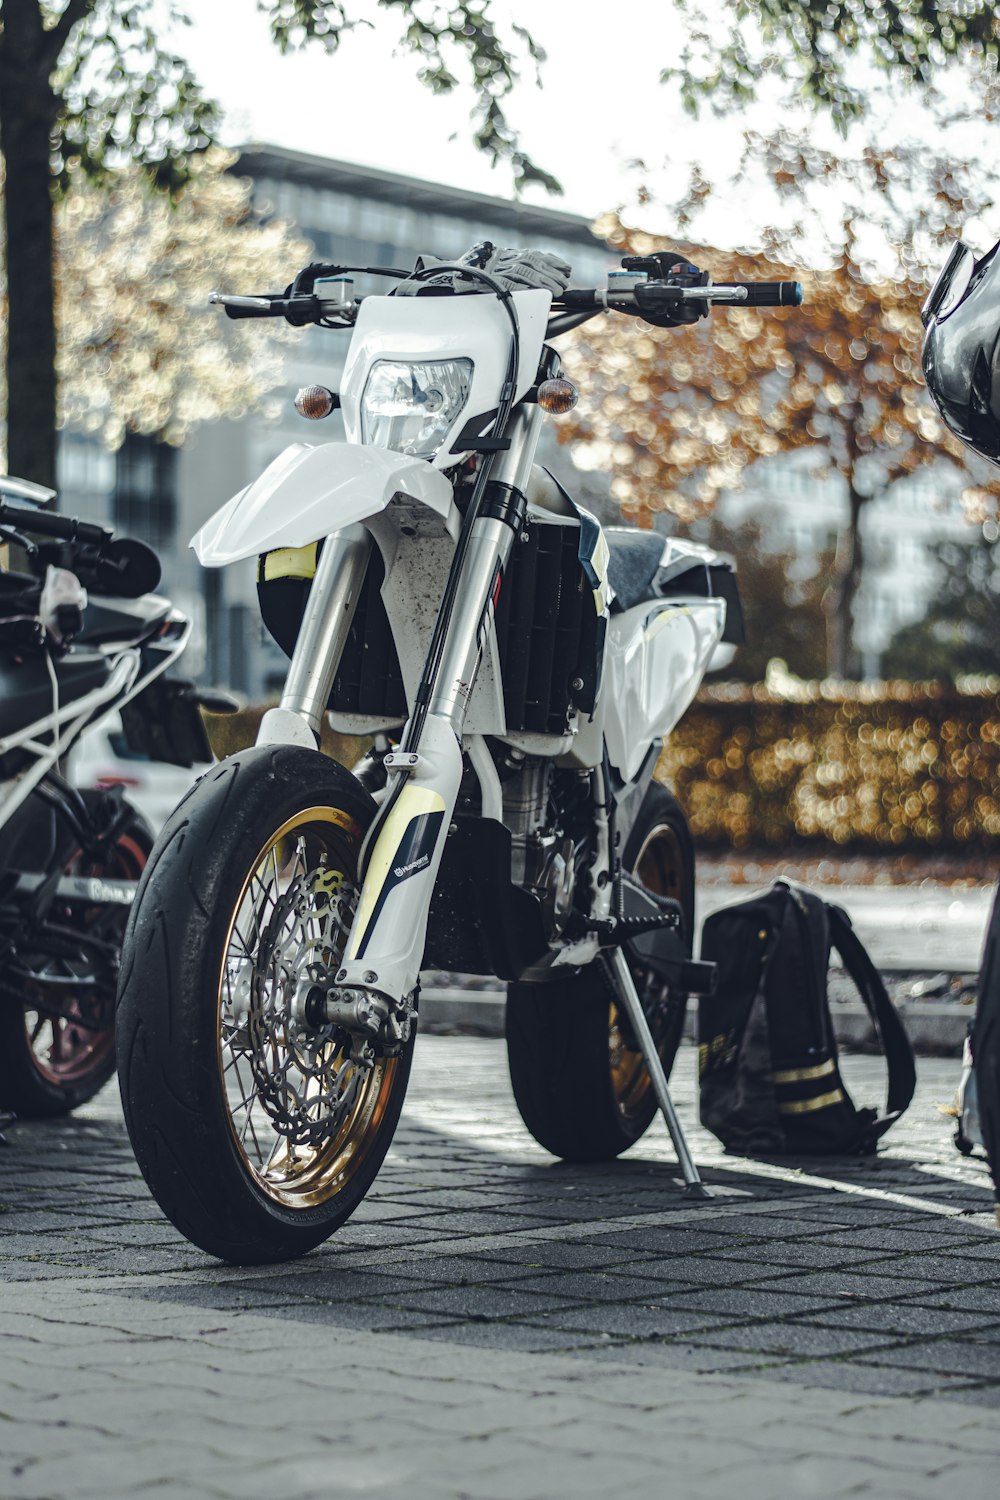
(409, 406)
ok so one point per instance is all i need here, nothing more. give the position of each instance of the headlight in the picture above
(410, 406)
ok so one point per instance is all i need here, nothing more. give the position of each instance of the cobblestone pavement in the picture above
(497, 1326)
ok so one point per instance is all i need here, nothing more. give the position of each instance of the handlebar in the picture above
(297, 310)
(732, 293)
(108, 564)
(660, 295)
(60, 528)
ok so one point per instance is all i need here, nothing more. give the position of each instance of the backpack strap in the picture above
(889, 1029)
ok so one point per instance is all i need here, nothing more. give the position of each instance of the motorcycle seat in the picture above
(634, 560)
(26, 691)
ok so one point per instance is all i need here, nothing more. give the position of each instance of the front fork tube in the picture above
(329, 613)
(386, 946)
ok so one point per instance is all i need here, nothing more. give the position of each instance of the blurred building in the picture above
(801, 512)
(350, 214)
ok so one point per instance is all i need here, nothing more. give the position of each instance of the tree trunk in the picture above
(28, 109)
(843, 659)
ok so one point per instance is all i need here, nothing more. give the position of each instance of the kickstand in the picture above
(624, 985)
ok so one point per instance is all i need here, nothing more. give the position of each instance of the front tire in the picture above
(255, 1133)
(579, 1080)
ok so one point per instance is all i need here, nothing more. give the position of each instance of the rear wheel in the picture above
(579, 1079)
(255, 1131)
(57, 1032)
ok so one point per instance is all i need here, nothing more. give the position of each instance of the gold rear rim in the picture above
(301, 1115)
(660, 868)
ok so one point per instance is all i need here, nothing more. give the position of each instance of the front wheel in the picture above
(57, 1023)
(579, 1080)
(255, 1131)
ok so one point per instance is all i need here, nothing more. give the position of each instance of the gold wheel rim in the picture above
(659, 866)
(302, 1176)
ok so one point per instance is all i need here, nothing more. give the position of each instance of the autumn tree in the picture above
(782, 612)
(682, 414)
(87, 84)
(139, 350)
(960, 634)
(87, 88)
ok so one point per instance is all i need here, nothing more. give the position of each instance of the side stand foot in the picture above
(624, 986)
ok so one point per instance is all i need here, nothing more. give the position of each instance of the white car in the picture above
(103, 759)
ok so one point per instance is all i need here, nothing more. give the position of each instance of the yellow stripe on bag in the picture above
(800, 1075)
(806, 1106)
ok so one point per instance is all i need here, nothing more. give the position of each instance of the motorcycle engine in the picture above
(545, 856)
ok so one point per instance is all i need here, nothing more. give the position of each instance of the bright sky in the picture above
(600, 107)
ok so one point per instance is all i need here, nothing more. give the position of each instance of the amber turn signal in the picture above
(557, 396)
(315, 401)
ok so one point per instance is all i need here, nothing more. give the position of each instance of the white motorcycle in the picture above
(516, 668)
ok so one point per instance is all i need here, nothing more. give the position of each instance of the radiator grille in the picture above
(545, 624)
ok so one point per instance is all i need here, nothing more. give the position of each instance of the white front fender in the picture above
(307, 492)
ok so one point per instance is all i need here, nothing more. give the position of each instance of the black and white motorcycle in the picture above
(81, 634)
(516, 668)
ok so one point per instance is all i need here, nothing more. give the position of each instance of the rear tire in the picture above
(50, 1061)
(255, 1134)
(582, 1087)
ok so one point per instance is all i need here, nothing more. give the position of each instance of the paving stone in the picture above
(794, 1338)
(797, 1253)
(873, 1284)
(594, 1286)
(639, 1342)
(632, 1319)
(949, 1356)
(749, 1302)
(980, 1299)
(673, 1354)
(487, 1302)
(853, 1375)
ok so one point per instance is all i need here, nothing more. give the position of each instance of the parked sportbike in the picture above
(81, 634)
(517, 668)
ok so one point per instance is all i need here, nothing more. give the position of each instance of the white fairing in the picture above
(308, 492)
(656, 657)
(445, 328)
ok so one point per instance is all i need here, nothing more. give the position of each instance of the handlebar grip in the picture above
(579, 298)
(771, 293)
(254, 312)
(298, 310)
(62, 528)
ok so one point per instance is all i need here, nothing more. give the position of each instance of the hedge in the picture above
(870, 766)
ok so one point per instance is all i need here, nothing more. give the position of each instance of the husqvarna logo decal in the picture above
(413, 854)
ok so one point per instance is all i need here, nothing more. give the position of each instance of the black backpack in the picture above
(770, 1083)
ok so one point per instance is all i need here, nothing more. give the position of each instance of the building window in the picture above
(145, 504)
(85, 466)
